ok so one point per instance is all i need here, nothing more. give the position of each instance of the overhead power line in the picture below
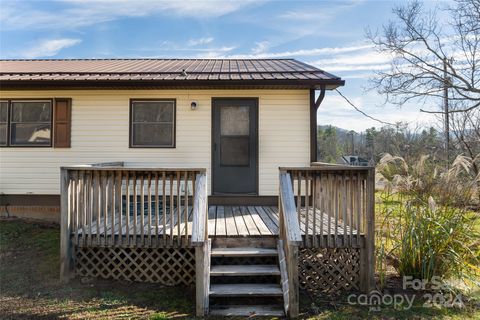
(362, 112)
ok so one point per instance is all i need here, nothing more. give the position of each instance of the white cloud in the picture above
(81, 13)
(364, 60)
(49, 48)
(260, 47)
(200, 41)
(314, 19)
(335, 111)
(352, 67)
(258, 54)
(301, 15)
(213, 53)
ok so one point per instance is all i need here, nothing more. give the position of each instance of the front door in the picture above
(235, 141)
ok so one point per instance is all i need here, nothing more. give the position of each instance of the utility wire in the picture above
(366, 115)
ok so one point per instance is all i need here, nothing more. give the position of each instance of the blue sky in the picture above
(327, 34)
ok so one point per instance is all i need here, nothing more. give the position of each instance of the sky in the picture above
(329, 35)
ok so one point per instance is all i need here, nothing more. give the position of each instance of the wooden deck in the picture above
(223, 221)
(113, 215)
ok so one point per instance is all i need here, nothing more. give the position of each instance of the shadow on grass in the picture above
(30, 287)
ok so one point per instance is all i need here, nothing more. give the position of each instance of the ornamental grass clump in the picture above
(428, 227)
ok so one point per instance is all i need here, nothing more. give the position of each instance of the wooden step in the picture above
(245, 241)
(244, 252)
(247, 311)
(245, 270)
(245, 290)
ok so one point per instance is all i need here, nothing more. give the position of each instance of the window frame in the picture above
(9, 122)
(174, 123)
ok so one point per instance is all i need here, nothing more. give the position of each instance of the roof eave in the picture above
(329, 84)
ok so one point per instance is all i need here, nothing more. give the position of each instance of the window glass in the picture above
(235, 151)
(235, 121)
(31, 111)
(153, 124)
(30, 123)
(3, 122)
(161, 111)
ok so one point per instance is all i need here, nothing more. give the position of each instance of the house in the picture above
(187, 171)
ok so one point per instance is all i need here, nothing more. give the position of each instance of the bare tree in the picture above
(466, 131)
(436, 61)
(431, 50)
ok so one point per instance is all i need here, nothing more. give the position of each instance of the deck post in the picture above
(66, 250)
(293, 283)
(202, 278)
(367, 253)
(291, 235)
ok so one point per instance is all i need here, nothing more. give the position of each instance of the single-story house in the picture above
(210, 163)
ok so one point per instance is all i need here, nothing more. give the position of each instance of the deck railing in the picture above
(290, 238)
(116, 205)
(335, 207)
(334, 204)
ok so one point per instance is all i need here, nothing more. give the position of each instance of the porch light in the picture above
(193, 105)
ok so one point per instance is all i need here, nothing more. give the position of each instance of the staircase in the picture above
(245, 281)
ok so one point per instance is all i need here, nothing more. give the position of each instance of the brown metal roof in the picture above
(164, 72)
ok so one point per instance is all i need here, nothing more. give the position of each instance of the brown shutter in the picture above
(62, 123)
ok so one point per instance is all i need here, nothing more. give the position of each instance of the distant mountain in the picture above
(339, 130)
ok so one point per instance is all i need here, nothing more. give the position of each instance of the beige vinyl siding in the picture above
(100, 129)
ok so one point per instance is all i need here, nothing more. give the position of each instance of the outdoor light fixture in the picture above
(193, 105)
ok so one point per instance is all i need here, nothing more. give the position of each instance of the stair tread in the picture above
(247, 310)
(239, 252)
(246, 289)
(244, 270)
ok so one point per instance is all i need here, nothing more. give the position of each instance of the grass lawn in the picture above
(29, 289)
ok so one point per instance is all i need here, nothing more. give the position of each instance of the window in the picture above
(235, 136)
(152, 124)
(3, 122)
(26, 123)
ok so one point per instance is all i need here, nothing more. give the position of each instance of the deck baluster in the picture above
(157, 212)
(149, 203)
(135, 213)
(179, 209)
(142, 208)
(127, 209)
(118, 204)
(172, 217)
(164, 208)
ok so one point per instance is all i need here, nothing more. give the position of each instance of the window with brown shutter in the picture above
(26, 123)
(62, 123)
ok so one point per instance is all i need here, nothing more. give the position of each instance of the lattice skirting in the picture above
(329, 270)
(168, 266)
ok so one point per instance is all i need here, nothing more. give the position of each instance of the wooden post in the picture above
(293, 281)
(201, 243)
(202, 278)
(367, 253)
(66, 250)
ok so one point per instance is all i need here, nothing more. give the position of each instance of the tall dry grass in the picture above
(456, 186)
(429, 226)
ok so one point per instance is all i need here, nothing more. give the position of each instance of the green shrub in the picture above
(429, 241)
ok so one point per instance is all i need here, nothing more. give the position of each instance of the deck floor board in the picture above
(223, 221)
